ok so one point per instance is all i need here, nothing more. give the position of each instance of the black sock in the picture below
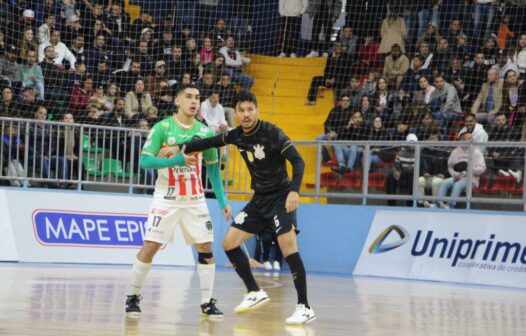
(299, 277)
(240, 263)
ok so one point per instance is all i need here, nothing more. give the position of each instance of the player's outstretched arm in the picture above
(198, 145)
(153, 162)
(214, 176)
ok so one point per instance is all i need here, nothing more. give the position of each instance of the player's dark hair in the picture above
(183, 87)
(244, 96)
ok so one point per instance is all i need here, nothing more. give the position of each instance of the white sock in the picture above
(206, 278)
(139, 272)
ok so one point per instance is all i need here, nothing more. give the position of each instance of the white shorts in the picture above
(164, 217)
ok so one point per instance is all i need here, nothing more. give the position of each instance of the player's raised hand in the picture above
(292, 202)
(189, 159)
(227, 212)
(168, 152)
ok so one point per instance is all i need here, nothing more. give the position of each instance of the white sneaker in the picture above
(325, 54)
(444, 206)
(313, 54)
(517, 175)
(252, 301)
(302, 315)
(503, 173)
(268, 265)
(293, 55)
(282, 55)
(276, 266)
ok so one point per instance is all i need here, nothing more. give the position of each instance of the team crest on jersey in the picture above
(171, 141)
(240, 218)
(258, 152)
(208, 225)
(250, 156)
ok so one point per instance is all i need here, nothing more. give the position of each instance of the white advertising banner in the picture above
(470, 248)
(84, 228)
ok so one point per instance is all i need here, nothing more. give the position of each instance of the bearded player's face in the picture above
(248, 114)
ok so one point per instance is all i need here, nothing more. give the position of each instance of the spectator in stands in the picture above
(77, 48)
(145, 176)
(504, 63)
(184, 35)
(176, 65)
(165, 44)
(431, 37)
(504, 32)
(335, 75)
(463, 50)
(30, 74)
(381, 97)
(190, 50)
(97, 52)
(445, 102)
(422, 96)
(490, 50)
(410, 82)
(433, 169)
(81, 96)
(393, 31)
(519, 56)
(441, 57)
(75, 78)
(145, 57)
(324, 13)
(220, 33)
(455, 72)
(206, 86)
(489, 99)
(226, 95)
(3, 43)
(333, 125)
(217, 67)
(399, 107)
(118, 22)
(9, 64)
(44, 31)
(368, 56)
(28, 42)
(427, 55)
(127, 79)
(428, 125)
(8, 106)
(368, 111)
(61, 51)
(356, 130)
(158, 87)
(400, 131)
(28, 104)
(214, 114)
(12, 151)
(99, 100)
(195, 68)
(66, 147)
(355, 91)
(102, 75)
(234, 62)
(207, 52)
(54, 77)
(478, 133)
(395, 66)
(400, 180)
(378, 132)
(17, 26)
(137, 100)
(291, 12)
(93, 116)
(117, 117)
(505, 161)
(92, 12)
(453, 32)
(513, 93)
(349, 42)
(458, 169)
(475, 77)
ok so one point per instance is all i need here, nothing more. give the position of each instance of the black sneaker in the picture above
(210, 311)
(132, 306)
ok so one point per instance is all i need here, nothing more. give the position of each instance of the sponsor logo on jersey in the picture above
(240, 218)
(171, 141)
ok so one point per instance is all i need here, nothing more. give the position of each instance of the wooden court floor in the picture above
(50, 299)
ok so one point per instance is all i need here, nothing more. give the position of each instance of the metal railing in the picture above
(63, 155)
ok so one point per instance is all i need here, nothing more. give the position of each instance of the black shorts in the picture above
(264, 212)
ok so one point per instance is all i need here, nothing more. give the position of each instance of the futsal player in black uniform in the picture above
(265, 149)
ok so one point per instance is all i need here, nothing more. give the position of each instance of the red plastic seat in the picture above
(503, 184)
(377, 181)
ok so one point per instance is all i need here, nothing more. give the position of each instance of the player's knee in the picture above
(148, 251)
(205, 258)
(228, 244)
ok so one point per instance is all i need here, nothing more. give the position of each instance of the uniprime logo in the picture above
(86, 229)
(378, 245)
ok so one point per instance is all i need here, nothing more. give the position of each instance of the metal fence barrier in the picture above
(74, 156)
